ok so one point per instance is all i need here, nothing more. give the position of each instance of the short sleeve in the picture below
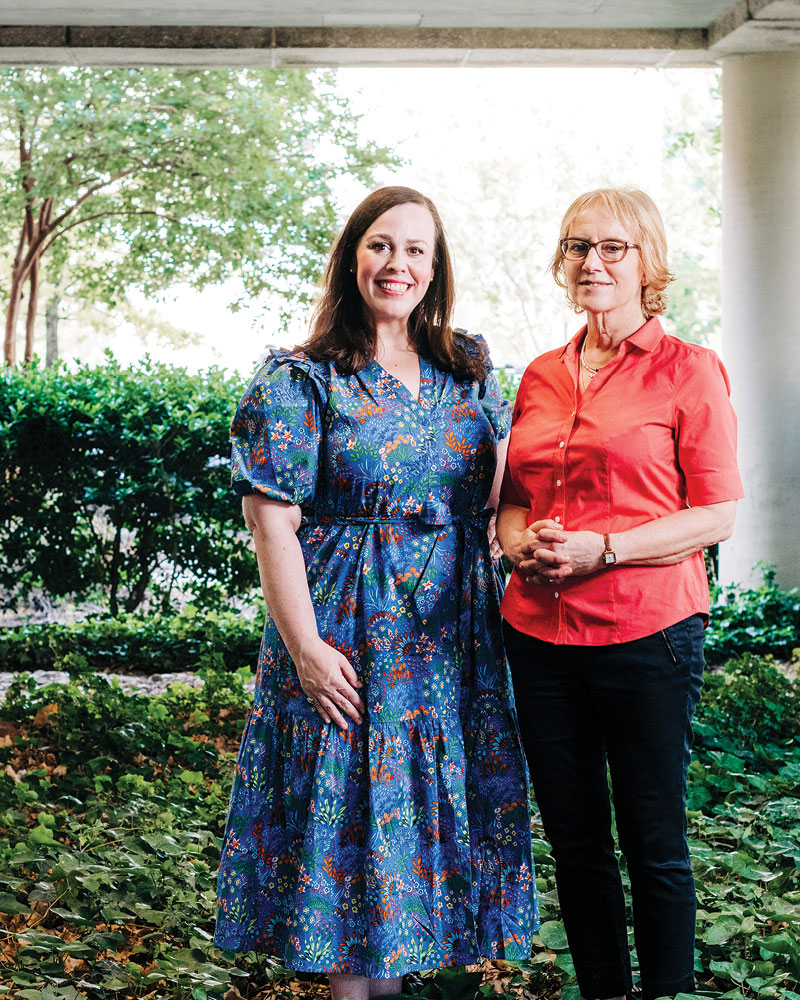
(276, 432)
(495, 406)
(705, 425)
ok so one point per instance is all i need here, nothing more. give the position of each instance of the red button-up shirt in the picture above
(654, 432)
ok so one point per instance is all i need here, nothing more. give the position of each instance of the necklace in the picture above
(585, 364)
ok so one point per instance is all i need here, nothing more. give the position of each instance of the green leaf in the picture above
(41, 835)
(191, 777)
(553, 935)
(564, 961)
(10, 904)
(722, 930)
(780, 944)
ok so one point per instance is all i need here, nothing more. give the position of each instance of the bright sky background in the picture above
(548, 134)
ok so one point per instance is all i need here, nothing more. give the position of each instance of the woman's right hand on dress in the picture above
(329, 682)
(326, 677)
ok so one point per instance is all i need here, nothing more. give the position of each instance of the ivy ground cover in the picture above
(112, 807)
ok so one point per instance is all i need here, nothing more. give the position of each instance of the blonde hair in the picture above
(637, 212)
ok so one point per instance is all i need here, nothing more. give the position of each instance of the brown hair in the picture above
(638, 213)
(340, 331)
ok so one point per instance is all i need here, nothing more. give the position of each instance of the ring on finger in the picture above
(310, 700)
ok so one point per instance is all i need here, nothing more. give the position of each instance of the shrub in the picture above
(749, 702)
(115, 484)
(760, 620)
(152, 644)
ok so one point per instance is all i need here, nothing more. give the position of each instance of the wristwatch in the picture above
(609, 555)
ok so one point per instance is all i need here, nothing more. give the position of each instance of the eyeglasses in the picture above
(611, 251)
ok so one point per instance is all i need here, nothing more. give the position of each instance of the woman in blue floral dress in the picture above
(379, 816)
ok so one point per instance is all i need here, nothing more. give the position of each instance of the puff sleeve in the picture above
(277, 430)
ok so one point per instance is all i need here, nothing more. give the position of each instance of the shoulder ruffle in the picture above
(278, 358)
(496, 408)
(475, 345)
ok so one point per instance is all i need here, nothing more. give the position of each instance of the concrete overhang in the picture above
(360, 32)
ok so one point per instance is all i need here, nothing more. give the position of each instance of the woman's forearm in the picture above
(512, 530)
(661, 542)
(281, 569)
(675, 537)
(500, 468)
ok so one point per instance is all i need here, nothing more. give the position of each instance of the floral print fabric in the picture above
(403, 843)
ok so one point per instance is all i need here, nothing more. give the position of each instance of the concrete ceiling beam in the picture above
(336, 46)
(756, 26)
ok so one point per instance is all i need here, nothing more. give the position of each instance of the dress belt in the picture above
(473, 545)
(434, 520)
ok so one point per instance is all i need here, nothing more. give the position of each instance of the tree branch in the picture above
(144, 164)
(88, 194)
(103, 215)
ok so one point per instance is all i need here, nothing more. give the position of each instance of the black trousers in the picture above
(629, 705)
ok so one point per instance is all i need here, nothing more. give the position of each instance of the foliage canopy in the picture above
(120, 178)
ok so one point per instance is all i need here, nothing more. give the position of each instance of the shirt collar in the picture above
(646, 338)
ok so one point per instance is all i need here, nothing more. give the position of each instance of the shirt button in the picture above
(558, 482)
(555, 594)
(560, 444)
(557, 519)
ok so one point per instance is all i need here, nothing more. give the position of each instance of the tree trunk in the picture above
(138, 592)
(14, 299)
(33, 303)
(51, 326)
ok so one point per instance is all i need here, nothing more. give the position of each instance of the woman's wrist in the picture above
(303, 646)
(608, 555)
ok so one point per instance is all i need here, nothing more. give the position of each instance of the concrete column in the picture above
(761, 305)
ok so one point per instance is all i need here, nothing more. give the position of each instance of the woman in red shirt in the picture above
(621, 470)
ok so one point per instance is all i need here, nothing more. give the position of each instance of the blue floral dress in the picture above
(403, 843)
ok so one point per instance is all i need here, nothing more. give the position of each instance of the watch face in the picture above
(610, 558)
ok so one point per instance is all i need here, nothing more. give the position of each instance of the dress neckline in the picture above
(422, 364)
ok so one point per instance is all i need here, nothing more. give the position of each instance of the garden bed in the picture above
(112, 807)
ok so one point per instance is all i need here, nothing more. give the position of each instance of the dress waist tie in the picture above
(472, 546)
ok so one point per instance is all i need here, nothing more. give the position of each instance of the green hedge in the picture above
(115, 485)
(150, 645)
(763, 620)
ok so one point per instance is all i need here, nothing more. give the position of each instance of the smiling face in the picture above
(394, 263)
(597, 286)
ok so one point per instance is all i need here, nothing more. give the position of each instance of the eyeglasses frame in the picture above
(628, 246)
